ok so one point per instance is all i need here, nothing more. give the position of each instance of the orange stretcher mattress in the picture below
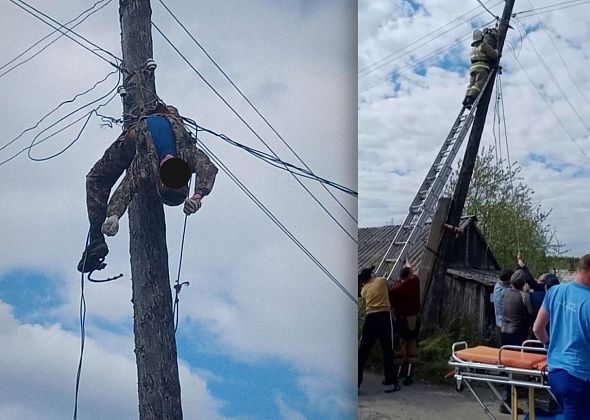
(510, 358)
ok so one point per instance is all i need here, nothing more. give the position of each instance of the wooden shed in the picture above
(469, 281)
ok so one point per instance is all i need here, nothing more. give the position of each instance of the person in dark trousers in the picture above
(377, 326)
(516, 315)
(566, 309)
(405, 302)
(158, 150)
(500, 288)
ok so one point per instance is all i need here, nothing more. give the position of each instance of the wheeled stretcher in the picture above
(517, 366)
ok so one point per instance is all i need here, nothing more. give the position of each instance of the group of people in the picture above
(392, 318)
(559, 316)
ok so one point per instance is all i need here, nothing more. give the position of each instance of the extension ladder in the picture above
(425, 201)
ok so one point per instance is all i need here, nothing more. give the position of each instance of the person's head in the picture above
(477, 37)
(174, 172)
(583, 272)
(505, 276)
(518, 280)
(366, 274)
(550, 281)
(541, 279)
(406, 273)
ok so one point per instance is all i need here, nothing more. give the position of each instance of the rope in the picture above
(510, 173)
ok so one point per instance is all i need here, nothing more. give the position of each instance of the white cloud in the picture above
(403, 131)
(39, 363)
(286, 412)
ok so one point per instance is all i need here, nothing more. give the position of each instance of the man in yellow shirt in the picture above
(377, 326)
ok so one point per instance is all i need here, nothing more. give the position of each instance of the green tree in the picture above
(507, 213)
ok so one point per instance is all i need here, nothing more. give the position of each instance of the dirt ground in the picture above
(422, 402)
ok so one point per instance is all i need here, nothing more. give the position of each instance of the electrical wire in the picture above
(556, 82)
(66, 33)
(274, 130)
(252, 130)
(82, 329)
(415, 63)
(541, 10)
(273, 218)
(386, 58)
(35, 143)
(58, 107)
(277, 163)
(570, 135)
(488, 10)
(548, 33)
(90, 9)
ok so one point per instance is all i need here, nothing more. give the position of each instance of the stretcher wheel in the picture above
(459, 387)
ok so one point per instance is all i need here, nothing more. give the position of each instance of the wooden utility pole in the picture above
(155, 344)
(433, 310)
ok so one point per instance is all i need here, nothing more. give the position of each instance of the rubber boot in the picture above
(408, 380)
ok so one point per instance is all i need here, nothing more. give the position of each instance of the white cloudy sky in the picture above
(403, 121)
(263, 333)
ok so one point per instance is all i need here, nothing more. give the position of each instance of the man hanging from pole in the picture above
(156, 149)
(483, 55)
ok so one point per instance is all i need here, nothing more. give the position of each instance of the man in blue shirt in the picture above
(500, 288)
(567, 308)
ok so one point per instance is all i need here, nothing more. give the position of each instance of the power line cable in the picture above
(548, 33)
(570, 135)
(66, 33)
(274, 219)
(415, 63)
(496, 17)
(277, 163)
(252, 130)
(90, 9)
(274, 130)
(35, 143)
(553, 7)
(58, 107)
(82, 311)
(555, 81)
(461, 18)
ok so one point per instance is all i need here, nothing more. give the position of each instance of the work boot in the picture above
(93, 257)
(468, 102)
(389, 387)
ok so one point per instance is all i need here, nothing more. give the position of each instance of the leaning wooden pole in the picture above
(434, 304)
(155, 345)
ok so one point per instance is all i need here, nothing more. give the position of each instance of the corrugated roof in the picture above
(485, 277)
(374, 241)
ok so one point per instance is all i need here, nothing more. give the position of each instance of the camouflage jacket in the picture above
(144, 167)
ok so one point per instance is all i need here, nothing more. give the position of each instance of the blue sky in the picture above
(253, 389)
(263, 332)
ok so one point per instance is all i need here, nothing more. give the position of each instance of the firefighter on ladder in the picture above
(483, 55)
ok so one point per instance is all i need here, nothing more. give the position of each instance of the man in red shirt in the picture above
(405, 302)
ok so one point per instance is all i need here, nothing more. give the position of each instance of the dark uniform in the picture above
(135, 151)
(483, 54)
